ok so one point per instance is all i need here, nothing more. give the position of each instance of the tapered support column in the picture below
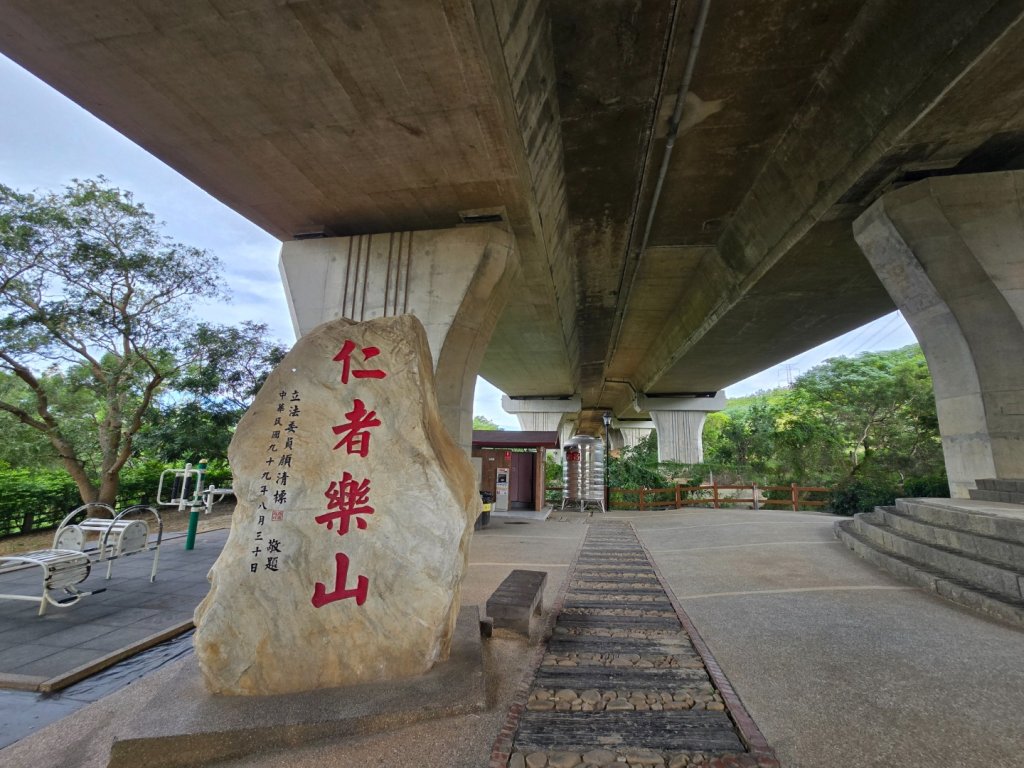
(628, 434)
(680, 423)
(541, 414)
(456, 281)
(950, 252)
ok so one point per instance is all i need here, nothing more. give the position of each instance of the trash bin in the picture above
(488, 503)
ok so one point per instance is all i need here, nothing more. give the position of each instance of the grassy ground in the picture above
(174, 521)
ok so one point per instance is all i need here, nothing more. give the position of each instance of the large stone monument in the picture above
(355, 510)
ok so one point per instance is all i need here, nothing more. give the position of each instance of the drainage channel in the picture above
(625, 679)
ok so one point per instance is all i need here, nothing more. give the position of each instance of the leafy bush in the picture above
(140, 481)
(934, 486)
(35, 500)
(862, 494)
(637, 467)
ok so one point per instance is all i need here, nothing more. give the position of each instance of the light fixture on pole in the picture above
(607, 419)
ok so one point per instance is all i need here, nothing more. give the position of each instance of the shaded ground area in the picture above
(24, 712)
(84, 738)
(837, 663)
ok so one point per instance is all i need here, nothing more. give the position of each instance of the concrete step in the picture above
(986, 518)
(921, 575)
(981, 572)
(1006, 497)
(1003, 484)
(1007, 553)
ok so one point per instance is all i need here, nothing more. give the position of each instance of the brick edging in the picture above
(748, 730)
(501, 751)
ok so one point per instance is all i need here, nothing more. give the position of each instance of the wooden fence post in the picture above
(796, 497)
(679, 497)
(714, 492)
(641, 499)
(753, 488)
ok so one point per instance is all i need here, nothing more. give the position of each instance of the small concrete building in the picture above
(521, 456)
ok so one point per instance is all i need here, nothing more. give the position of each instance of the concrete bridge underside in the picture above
(372, 117)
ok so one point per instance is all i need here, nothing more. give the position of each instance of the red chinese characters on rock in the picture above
(348, 499)
(344, 357)
(355, 433)
(322, 597)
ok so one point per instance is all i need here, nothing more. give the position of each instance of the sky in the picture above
(46, 140)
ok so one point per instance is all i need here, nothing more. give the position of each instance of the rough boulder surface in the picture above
(351, 534)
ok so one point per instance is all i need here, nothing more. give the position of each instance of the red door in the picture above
(521, 485)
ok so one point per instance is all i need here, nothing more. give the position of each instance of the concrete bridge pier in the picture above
(950, 252)
(680, 422)
(544, 414)
(456, 281)
(627, 434)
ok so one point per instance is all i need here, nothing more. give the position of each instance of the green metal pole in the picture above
(193, 517)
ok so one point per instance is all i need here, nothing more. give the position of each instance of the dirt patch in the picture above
(174, 522)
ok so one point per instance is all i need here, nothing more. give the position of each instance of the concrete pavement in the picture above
(837, 663)
(84, 738)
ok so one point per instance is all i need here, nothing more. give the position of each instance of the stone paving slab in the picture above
(672, 732)
(624, 678)
(46, 653)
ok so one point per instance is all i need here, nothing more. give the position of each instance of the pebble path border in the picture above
(624, 678)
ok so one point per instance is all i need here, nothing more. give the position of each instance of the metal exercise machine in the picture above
(69, 562)
(187, 492)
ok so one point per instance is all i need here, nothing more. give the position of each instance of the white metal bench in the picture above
(115, 537)
(62, 570)
(70, 560)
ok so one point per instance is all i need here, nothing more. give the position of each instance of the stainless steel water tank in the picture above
(583, 471)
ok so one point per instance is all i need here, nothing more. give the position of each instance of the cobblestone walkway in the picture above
(622, 681)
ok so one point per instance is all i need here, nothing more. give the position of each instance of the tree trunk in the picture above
(86, 489)
(109, 486)
(74, 467)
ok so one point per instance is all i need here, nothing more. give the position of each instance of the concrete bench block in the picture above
(517, 599)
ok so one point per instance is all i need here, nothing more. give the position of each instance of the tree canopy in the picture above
(866, 422)
(96, 320)
(482, 422)
(865, 426)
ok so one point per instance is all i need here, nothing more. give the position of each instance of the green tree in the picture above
(26, 448)
(637, 467)
(229, 364)
(866, 425)
(482, 422)
(210, 393)
(880, 408)
(90, 287)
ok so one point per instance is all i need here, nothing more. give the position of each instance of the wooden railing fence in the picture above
(710, 495)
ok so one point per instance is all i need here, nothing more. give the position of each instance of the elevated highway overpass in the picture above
(610, 204)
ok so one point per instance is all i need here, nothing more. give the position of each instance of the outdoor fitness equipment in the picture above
(69, 562)
(187, 492)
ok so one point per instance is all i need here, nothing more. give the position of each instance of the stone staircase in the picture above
(1006, 491)
(970, 551)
